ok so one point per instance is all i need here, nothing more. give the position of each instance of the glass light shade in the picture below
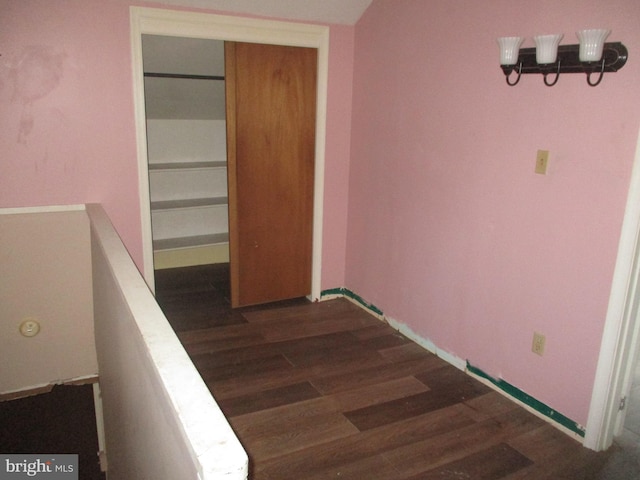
(592, 43)
(547, 48)
(509, 49)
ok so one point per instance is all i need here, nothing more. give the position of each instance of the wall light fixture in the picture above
(591, 56)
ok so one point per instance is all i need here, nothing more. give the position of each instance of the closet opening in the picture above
(230, 130)
(184, 87)
(196, 26)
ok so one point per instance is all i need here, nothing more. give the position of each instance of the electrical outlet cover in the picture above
(537, 346)
(29, 327)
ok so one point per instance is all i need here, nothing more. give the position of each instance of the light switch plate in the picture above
(542, 159)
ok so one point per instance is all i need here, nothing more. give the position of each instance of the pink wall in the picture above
(449, 229)
(66, 109)
(66, 116)
(337, 154)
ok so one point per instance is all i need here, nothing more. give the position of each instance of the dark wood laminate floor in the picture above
(324, 390)
(61, 421)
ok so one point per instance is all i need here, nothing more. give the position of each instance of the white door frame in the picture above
(155, 21)
(619, 346)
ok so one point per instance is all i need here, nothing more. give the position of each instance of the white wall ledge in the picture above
(155, 402)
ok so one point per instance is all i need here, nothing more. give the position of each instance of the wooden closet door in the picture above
(271, 118)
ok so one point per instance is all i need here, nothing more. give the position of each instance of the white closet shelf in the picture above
(186, 165)
(187, 242)
(188, 203)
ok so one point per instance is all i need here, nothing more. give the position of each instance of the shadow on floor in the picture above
(61, 421)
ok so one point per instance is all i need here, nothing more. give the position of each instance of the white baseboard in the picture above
(427, 344)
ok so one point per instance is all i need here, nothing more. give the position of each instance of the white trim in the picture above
(140, 119)
(619, 338)
(427, 344)
(220, 27)
(97, 405)
(404, 329)
(45, 387)
(43, 209)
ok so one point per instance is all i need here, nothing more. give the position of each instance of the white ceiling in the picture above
(346, 12)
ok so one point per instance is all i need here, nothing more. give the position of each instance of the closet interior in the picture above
(186, 144)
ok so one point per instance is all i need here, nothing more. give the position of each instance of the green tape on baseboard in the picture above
(529, 401)
(348, 293)
(506, 387)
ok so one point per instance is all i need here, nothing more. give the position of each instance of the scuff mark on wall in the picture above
(35, 74)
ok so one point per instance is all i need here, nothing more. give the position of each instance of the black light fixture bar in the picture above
(614, 57)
